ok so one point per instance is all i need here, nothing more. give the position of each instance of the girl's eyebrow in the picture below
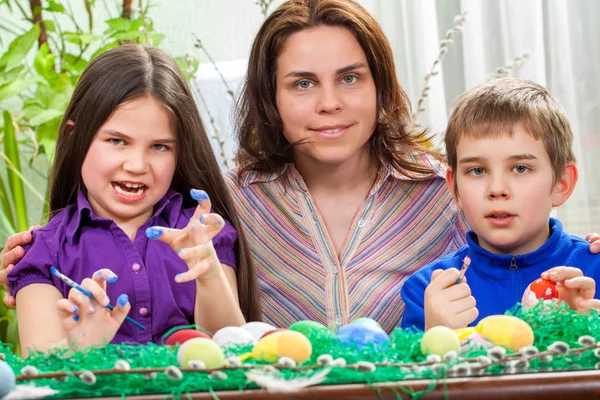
(121, 135)
(343, 70)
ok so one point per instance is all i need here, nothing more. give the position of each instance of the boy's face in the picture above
(506, 191)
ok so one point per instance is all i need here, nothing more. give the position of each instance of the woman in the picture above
(339, 200)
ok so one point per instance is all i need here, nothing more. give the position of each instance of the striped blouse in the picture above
(401, 226)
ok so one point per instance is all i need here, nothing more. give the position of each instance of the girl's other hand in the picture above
(194, 242)
(87, 321)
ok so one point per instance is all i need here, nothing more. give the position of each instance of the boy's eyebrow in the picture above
(516, 157)
(124, 136)
(343, 70)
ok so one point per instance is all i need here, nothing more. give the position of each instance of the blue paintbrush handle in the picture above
(89, 294)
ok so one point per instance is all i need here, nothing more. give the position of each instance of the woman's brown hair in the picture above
(124, 74)
(262, 146)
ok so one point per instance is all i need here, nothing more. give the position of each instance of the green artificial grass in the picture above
(399, 359)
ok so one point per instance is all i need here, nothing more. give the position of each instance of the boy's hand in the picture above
(86, 321)
(594, 240)
(573, 288)
(448, 303)
(194, 242)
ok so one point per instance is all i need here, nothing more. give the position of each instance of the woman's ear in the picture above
(565, 185)
(70, 127)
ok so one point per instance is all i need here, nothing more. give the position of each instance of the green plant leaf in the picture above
(15, 87)
(18, 48)
(11, 151)
(12, 75)
(45, 116)
(43, 64)
(133, 35)
(119, 24)
(50, 26)
(6, 213)
(55, 7)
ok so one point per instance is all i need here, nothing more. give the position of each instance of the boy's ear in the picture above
(452, 187)
(565, 185)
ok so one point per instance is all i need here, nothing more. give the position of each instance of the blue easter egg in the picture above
(7, 379)
(360, 334)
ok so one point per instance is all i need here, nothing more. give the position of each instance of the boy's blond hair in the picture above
(495, 107)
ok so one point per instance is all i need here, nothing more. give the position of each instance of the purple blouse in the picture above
(77, 243)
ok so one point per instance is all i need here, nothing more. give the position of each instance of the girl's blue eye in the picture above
(160, 147)
(349, 79)
(116, 142)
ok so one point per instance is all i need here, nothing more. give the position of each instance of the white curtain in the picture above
(561, 41)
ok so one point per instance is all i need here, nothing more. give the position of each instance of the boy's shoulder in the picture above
(578, 251)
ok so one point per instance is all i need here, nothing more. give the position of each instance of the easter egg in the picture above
(257, 329)
(308, 328)
(201, 349)
(506, 331)
(183, 335)
(439, 340)
(233, 335)
(367, 321)
(285, 343)
(360, 334)
(7, 379)
(540, 289)
(267, 333)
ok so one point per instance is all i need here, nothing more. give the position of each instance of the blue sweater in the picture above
(498, 281)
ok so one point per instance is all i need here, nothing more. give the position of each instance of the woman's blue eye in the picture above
(303, 84)
(349, 79)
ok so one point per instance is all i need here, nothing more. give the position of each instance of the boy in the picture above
(510, 160)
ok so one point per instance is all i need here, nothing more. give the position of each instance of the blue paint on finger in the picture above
(76, 317)
(154, 232)
(122, 300)
(108, 278)
(198, 195)
(75, 309)
(202, 219)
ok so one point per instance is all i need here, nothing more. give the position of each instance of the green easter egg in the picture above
(201, 349)
(308, 327)
(439, 340)
(367, 321)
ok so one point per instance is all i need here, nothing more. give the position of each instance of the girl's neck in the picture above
(357, 173)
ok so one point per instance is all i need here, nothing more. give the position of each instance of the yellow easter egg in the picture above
(439, 340)
(283, 344)
(201, 349)
(506, 331)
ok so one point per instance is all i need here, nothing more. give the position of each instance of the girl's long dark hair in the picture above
(126, 73)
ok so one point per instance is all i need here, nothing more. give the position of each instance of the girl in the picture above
(130, 148)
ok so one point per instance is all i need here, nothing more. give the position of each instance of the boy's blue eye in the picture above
(521, 169)
(476, 171)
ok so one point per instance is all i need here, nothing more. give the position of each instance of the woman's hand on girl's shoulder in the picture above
(193, 244)
(594, 240)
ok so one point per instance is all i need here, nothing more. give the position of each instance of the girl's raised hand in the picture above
(194, 242)
(87, 321)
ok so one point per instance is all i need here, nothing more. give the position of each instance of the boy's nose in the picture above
(498, 188)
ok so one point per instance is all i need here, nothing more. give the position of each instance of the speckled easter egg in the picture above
(201, 349)
(183, 335)
(310, 328)
(7, 379)
(540, 289)
(360, 334)
(285, 343)
(257, 329)
(506, 331)
(233, 335)
(439, 340)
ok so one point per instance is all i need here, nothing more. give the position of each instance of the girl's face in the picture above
(326, 95)
(131, 161)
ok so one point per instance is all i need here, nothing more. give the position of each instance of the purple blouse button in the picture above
(135, 267)
(143, 311)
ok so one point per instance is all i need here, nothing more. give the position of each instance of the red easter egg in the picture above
(183, 335)
(267, 333)
(544, 289)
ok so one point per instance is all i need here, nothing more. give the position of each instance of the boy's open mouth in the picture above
(129, 189)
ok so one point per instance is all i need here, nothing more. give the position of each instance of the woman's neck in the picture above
(354, 174)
